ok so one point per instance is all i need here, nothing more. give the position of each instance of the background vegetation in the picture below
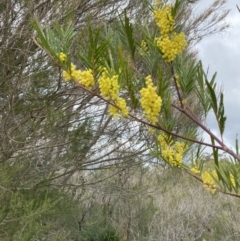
(68, 171)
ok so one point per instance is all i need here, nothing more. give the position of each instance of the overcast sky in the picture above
(221, 53)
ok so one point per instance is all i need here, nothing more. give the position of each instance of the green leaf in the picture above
(201, 89)
(211, 90)
(215, 152)
(65, 35)
(220, 115)
(128, 30)
(175, 8)
(236, 146)
(186, 70)
(41, 38)
(94, 55)
(55, 39)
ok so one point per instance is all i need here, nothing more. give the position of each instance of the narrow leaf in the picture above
(129, 34)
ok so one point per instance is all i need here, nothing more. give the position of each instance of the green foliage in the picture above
(218, 108)
(55, 39)
(97, 233)
(30, 214)
(178, 82)
(92, 55)
(186, 69)
(155, 203)
(128, 32)
(68, 171)
(201, 89)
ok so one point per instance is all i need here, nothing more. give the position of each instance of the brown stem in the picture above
(191, 116)
(219, 190)
(158, 127)
(176, 86)
(199, 123)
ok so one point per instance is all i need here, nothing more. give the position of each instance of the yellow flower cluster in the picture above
(208, 180)
(150, 101)
(109, 89)
(109, 86)
(195, 170)
(68, 75)
(171, 46)
(144, 48)
(164, 19)
(172, 152)
(121, 103)
(62, 57)
(232, 179)
(84, 77)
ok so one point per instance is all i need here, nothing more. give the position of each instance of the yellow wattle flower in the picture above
(108, 86)
(172, 152)
(171, 46)
(109, 89)
(164, 19)
(84, 77)
(150, 101)
(62, 57)
(208, 180)
(232, 179)
(194, 170)
(68, 75)
(170, 43)
(144, 48)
